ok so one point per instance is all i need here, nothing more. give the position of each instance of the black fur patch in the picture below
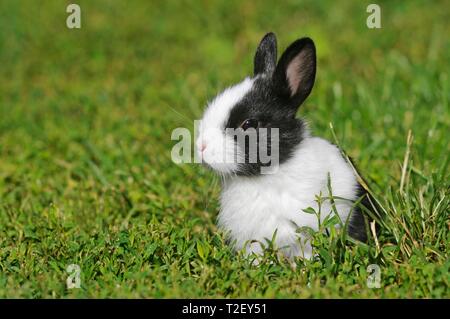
(357, 225)
(266, 55)
(360, 220)
(277, 93)
(263, 105)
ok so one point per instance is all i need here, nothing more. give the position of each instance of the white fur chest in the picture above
(252, 208)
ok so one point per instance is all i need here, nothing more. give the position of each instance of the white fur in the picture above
(219, 148)
(252, 208)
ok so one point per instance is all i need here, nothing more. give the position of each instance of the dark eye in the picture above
(249, 123)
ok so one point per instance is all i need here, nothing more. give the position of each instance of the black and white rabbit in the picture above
(255, 205)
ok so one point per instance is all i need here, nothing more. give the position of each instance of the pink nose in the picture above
(202, 147)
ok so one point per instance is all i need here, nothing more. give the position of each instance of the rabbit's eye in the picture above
(249, 123)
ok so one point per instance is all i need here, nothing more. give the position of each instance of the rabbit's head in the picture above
(252, 124)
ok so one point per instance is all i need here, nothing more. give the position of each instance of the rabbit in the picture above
(255, 207)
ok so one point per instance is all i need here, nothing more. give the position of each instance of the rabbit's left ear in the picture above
(295, 73)
(266, 55)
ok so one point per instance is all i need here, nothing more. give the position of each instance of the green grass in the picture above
(85, 123)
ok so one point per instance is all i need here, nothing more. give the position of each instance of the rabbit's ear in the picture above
(294, 75)
(266, 55)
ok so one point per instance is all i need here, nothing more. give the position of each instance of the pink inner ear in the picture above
(295, 71)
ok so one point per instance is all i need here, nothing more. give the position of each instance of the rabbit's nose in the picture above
(202, 147)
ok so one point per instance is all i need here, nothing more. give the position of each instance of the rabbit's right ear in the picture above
(266, 55)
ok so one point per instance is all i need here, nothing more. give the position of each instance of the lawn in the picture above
(86, 175)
